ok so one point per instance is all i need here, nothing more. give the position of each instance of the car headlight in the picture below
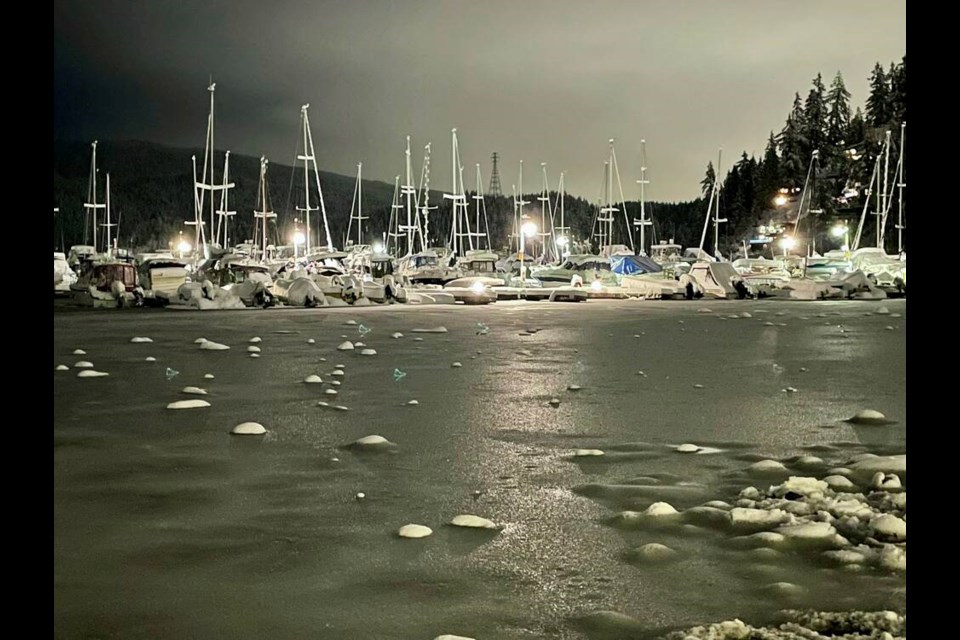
(477, 287)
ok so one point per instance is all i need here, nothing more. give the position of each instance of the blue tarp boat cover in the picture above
(629, 265)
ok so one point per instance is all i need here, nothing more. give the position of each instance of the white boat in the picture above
(582, 269)
(161, 275)
(106, 282)
(426, 267)
(713, 280)
(886, 271)
(63, 275)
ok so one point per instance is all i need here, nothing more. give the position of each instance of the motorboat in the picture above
(107, 282)
(63, 275)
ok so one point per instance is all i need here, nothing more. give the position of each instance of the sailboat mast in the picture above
(716, 214)
(108, 225)
(306, 177)
(408, 189)
(901, 184)
(643, 222)
(92, 206)
(886, 172)
(359, 203)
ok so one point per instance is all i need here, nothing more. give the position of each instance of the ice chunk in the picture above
(456, 365)
(208, 376)
(882, 311)
(188, 404)
(213, 346)
(255, 340)
(345, 346)
(397, 335)
(83, 364)
(413, 403)
(79, 352)
(574, 387)
(350, 323)
(893, 557)
(150, 359)
(474, 522)
(554, 402)
(809, 531)
(313, 379)
(248, 429)
(687, 448)
(197, 391)
(414, 531)
(90, 373)
(199, 341)
(866, 467)
(253, 349)
(839, 483)
(338, 373)
(140, 339)
(801, 485)
(742, 518)
(889, 527)
(885, 481)
(698, 386)
(254, 355)
(311, 341)
(368, 352)
(62, 367)
(330, 392)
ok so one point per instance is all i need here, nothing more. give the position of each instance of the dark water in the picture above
(166, 526)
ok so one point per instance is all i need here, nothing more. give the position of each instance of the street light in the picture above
(844, 231)
(378, 247)
(787, 243)
(780, 200)
(527, 230)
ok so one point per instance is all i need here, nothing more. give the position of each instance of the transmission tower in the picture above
(495, 189)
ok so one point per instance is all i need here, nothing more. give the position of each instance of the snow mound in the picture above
(368, 352)
(660, 509)
(149, 359)
(337, 372)
(473, 522)
(79, 352)
(414, 531)
(62, 367)
(311, 341)
(140, 339)
(746, 314)
(213, 346)
(83, 364)
(448, 636)
(704, 310)
(885, 481)
(199, 341)
(698, 386)
(197, 391)
(839, 483)
(345, 346)
(208, 376)
(248, 429)
(253, 349)
(587, 453)
(351, 323)
(687, 448)
(869, 417)
(188, 404)
(254, 355)
(90, 373)
(574, 387)
(413, 403)
(396, 336)
(313, 379)
(330, 392)
(767, 466)
(456, 365)
(554, 402)
(653, 552)
(431, 330)
(255, 340)
(866, 467)
(800, 485)
(882, 311)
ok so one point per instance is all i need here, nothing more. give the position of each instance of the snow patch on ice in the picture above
(197, 391)
(414, 531)
(150, 359)
(687, 448)
(248, 429)
(83, 364)
(208, 376)
(140, 339)
(255, 340)
(869, 417)
(431, 330)
(90, 373)
(345, 346)
(368, 352)
(188, 404)
(62, 367)
(209, 345)
(473, 522)
(313, 379)
(587, 453)
(253, 349)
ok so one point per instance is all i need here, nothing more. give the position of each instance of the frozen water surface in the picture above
(166, 525)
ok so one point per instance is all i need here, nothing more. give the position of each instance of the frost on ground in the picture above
(807, 625)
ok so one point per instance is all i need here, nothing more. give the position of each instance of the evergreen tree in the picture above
(898, 88)
(768, 180)
(793, 143)
(815, 117)
(878, 103)
(838, 115)
(707, 183)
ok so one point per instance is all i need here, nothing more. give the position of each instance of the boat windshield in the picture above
(425, 261)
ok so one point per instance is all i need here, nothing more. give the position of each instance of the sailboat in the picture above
(605, 220)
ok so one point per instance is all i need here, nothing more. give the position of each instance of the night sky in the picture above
(534, 80)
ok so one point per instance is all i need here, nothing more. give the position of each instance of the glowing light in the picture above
(787, 243)
(780, 200)
(378, 247)
(838, 231)
(477, 287)
(184, 247)
(563, 241)
(529, 229)
(299, 238)
(596, 285)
